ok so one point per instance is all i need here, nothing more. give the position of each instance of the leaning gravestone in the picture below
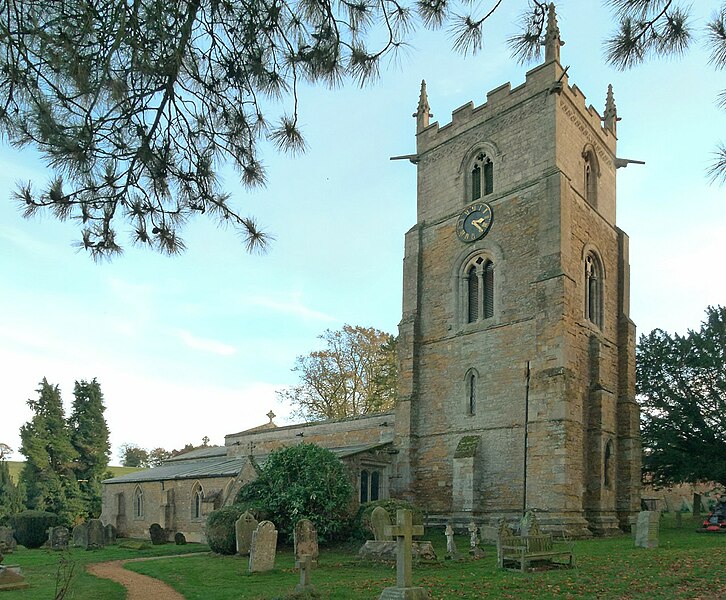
(80, 536)
(305, 540)
(379, 521)
(263, 548)
(157, 534)
(244, 528)
(7, 541)
(96, 534)
(109, 534)
(58, 538)
(646, 535)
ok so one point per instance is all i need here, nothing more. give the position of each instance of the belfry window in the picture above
(591, 172)
(480, 290)
(593, 290)
(482, 168)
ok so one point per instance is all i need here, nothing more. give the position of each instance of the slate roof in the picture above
(215, 466)
(204, 452)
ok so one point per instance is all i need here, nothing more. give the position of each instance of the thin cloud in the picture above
(291, 306)
(205, 345)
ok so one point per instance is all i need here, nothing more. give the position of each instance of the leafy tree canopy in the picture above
(302, 482)
(681, 384)
(135, 105)
(355, 374)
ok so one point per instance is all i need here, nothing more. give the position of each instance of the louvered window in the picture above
(473, 300)
(488, 177)
(488, 290)
(476, 182)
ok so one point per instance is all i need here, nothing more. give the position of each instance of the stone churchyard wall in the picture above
(169, 503)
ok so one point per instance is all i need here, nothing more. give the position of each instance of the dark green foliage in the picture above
(89, 436)
(220, 531)
(11, 495)
(303, 482)
(362, 524)
(31, 527)
(48, 473)
(681, 385)
(134, 456)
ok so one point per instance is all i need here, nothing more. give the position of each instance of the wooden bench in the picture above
(519, 552)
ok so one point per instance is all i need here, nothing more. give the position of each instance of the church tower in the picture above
(517, 354)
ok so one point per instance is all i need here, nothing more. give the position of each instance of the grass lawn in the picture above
(687, 565)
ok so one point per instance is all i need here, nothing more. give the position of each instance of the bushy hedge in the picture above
(220, 529)
(31, 527)
(303, 482)
(362, 523)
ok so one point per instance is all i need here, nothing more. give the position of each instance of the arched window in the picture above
(608, 464)
(593, 289)
(471, 392)
(480, 290)
(591, 173)
(481, 168)
(197, 499)
(138, 503)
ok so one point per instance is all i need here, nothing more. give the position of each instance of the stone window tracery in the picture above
(138, 503)
(593, 289)
(590, 175)
(370, 485)
(480, 290)
(481, 177)
(197, 499)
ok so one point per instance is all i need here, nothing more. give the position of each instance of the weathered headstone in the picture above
(474, 548)
(58, 538)
(10, 577)
(96, 534)
(305, 539)
(452, 552)
(403, 531)
(180, 539)
(379, 521)
(696, 506)
(157, 534)
(109, 534)
(263, 548)
(305, 564)
(7, 540)
(646, 535)
(80, 536)
(244, 528)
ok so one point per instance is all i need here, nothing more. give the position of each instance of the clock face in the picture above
(474, 222)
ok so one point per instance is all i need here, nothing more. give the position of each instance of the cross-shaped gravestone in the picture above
(270, 415)
(403, 531)
(305, 564)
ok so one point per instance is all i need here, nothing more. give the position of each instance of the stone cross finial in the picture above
(610, 118)
(270, 415)
(403, 531)
(552, 36)
(423, 112)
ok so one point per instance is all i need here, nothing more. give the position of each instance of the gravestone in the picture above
(109, 534)
(58, 538)
(263, 548)
(305, 539)
(403, 531)
(452, 552)
(679, 519)
(157, 534)
(80, 536)
(7, 541)
(244, 528)
(305, 564)
(180, 539)
(646, 535)
(379, 521)
(696, 506)
(96, 534)
(10, 577)
(474, 548)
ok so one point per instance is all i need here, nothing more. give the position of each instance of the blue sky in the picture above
(197, 344)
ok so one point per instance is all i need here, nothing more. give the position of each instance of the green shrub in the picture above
(303, 482)
(31, 527)
(220, 529)
(362, 523)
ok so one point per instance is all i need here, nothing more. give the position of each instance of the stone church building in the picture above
(516, 349)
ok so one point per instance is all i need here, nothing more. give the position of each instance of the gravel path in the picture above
(140, 587)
